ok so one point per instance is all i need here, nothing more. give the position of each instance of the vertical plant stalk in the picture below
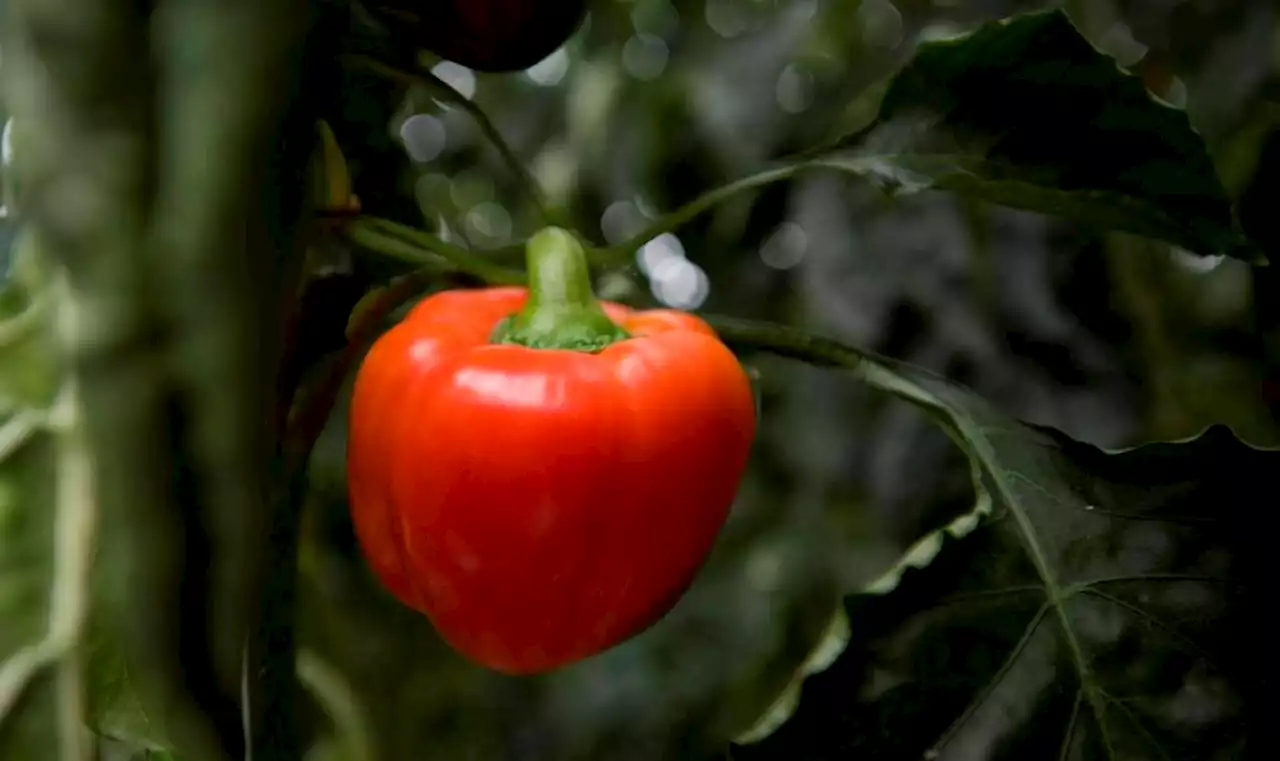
(163, 165)
(75, 529)
(78, 81)
(232, 185)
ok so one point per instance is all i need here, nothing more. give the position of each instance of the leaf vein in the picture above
(996, 678)
(1191, 645)
(1071, 726)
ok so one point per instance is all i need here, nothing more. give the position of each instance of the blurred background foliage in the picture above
(1112, 339)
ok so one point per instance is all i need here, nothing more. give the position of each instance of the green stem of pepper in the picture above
(562, 311)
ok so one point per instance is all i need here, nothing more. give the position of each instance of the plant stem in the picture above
(424, 249)
(21, 668)
(18, 430)
(562, 311)
(74, 538)
(878, 372)
(874, 370)
(477, 114)
(234, 147)
(95, 106)
(785, 342)
(179, 132)
(335, 696)
(368, 232)
(623, 252)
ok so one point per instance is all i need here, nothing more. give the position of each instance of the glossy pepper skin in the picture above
(485, 35)
(541, 505)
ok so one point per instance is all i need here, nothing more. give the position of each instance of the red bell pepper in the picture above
(540, 474)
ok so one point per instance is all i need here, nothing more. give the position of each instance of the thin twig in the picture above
(17, 673)
(335, 697)
(623, 252)
(482, 120)
(18, 430)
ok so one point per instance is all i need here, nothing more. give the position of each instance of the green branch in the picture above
(18, 430)
(876, 371)
(423, 249)
(623, 252)
(426, 250)
(350, 724)
(75, 534)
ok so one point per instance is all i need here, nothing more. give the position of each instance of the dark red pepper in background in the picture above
(485, 35)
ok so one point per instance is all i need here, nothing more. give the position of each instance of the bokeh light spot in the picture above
(424, 137)
(726, 18)
(655, 252)
(620, 221)
(489, 221)
(794, 90)
(679, 283)
(550, 70)
(644, 56)
(786, 247)
(457, 76)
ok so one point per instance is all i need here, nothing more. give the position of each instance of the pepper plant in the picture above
(535, 475)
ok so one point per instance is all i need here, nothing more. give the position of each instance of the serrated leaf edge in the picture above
(837, 634)
(918, 556)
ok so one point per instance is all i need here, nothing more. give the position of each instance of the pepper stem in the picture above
(562, 311)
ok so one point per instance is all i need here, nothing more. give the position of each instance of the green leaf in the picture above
(1256, 208)
(1026, 113)
(1093, 606)
(26, 540)
(330, 178)
(27, 383)
(115, 710)
(29, 369)
(110, 749)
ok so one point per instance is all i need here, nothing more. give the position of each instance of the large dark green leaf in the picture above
(1256, 207)
(1025, 112)
(115, 711)
(1093, 606)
